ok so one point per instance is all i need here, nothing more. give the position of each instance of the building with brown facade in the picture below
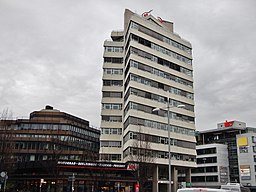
(32, 149)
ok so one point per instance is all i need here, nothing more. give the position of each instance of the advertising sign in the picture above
(137, 188)
(245, 172)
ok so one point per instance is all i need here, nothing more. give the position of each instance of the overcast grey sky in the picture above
(51, 53)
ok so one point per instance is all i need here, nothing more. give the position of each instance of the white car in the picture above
(235, 187)
(201, 190)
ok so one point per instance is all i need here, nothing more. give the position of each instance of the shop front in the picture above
(74, 176)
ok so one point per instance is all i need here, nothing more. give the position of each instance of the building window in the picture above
(111, 118)
(160, 73)
(207, 160)
(111, 131)
(254, 157)
(112, 106)
(198, 179)
(111, 157)
(113, 71)
(111, 144)
(212, 178)
(112, 82)
(161, 49)
(32, 158)
(113, 60)
(206, 151)
(114, 49)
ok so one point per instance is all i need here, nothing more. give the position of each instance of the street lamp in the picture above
(169, 139)
(204, 159)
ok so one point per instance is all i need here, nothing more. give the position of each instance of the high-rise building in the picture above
(145, 66)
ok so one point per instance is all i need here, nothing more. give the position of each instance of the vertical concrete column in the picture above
(188, 175)
(155, 179)
(174, 179)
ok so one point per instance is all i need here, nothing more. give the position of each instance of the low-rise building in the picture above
(55, 151)
(43, 139)
(234, 147)
(212, 166)
(246, 151)
(49, 134)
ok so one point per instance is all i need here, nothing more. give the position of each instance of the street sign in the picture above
(188, 184)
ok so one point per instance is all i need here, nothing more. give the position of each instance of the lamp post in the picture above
(5, 177)
(169, 140)
(204, 159)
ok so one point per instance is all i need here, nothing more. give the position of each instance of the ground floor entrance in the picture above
(67, 176)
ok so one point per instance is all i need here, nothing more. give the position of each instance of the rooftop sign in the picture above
(147, 13)
(228, 123)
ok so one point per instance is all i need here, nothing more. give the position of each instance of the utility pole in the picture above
(72, 179)
(204, 159)
(41, 183)
(72, 184)
(5, 177)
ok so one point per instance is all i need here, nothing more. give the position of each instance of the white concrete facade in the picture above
(156, 68)
(212, 166)
(246, 151)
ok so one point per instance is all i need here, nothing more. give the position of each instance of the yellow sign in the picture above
(242, 141)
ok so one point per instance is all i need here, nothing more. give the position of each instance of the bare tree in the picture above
(54, 148)
(57, 148)
(143, 156)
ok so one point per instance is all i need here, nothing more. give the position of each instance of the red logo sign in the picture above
(228, 123)
(147, 13)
